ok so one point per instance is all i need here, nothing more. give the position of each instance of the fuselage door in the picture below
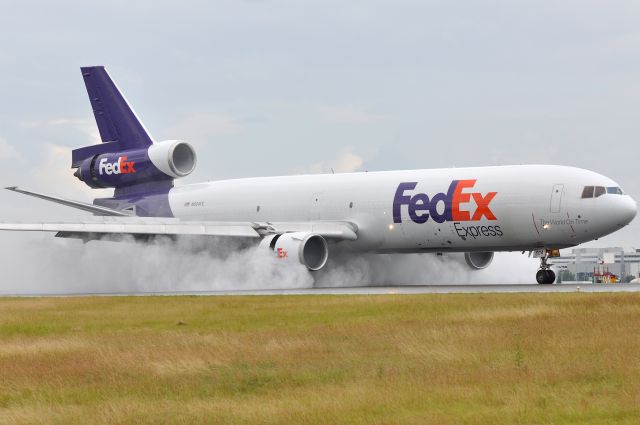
(556, 198)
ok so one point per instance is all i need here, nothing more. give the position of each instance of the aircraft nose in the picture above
(627, 210)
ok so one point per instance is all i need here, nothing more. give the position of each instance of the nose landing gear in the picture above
(545, 275)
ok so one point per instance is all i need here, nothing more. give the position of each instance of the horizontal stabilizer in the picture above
(73, 204)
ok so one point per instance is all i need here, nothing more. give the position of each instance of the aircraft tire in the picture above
(551, 277)
(545, 277)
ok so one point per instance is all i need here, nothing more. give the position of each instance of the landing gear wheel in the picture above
(551, 277)
(541, 276)
(545, 277)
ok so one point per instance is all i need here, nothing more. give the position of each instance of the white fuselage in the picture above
(503, 208)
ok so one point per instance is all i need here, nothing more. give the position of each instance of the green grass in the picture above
(440, 359)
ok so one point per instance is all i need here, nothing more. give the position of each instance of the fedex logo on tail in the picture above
(456, 204)
(121, 166)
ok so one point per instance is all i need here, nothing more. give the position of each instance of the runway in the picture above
(371, 290)
(440, 289)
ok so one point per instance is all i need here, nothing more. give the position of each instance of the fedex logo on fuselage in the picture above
(456, 204)
(121, 166)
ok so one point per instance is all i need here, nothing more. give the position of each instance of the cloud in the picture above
(345, 162)
(201, 126)
(347, 114)
(64, 126)
(54, 174)
(7, 151)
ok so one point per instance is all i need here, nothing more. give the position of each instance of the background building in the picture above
(581, 263)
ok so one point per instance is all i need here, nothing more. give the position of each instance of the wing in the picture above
(138, 226)
(114, 222)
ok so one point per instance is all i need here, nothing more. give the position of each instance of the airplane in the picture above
(475, 211)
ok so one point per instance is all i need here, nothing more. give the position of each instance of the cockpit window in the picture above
(595, 191)
(615, 191)
(587, 192)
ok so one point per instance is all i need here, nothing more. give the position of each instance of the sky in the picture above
(281, 87)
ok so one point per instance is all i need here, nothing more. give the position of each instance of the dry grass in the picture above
(441, 359)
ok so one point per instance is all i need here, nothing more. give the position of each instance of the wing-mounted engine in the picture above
(478, 260)
(309, 249)
(161, 161)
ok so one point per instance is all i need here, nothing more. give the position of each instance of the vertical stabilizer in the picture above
(116, 120)
(120, 128)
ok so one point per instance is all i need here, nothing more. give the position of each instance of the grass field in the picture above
(428, 359)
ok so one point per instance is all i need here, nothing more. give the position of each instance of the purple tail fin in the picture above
(120, 128)
(128, 160)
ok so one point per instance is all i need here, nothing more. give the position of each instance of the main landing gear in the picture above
(545, 275)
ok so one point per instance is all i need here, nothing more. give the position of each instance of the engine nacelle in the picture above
(478, 260)
(175, 158)
(161, 161)
(309, 249)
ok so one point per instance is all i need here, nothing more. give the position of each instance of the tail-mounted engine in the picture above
(161, 161)
(309, 249)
